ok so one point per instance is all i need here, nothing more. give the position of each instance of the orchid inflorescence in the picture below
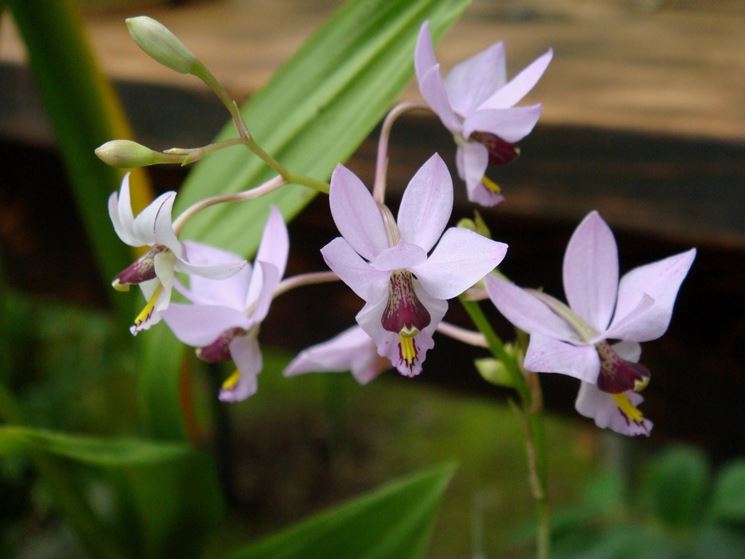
(404, 268)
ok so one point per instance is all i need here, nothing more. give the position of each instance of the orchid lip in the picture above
(404, 314)
(500, 151)
(618, 375)
(142, 269)
(219, 350)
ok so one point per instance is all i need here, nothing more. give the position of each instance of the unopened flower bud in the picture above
(161, 44)
(477, 225)
(125, 154)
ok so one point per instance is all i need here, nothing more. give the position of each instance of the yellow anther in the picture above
(628, 409)
(491, 185)
(408, 352)
(232, 380)
(641, 384)
(147, 310)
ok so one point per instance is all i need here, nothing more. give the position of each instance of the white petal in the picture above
(356, 214)
(659, 280)
(525, 311)
(459, 260)
(512, 125)
(217, 271)
(474, 80)
(200, 325)
(520, 85)
(145, 222)
(548, 355)
(229, 292)
(247, 356)
(362, 278)
(591, 271)
(124, 209)
(122, 228)
(426, 204)
(630, 351)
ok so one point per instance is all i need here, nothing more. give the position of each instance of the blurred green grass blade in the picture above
(84, 114)
(313, 114)
(108, 452)
(391, 523)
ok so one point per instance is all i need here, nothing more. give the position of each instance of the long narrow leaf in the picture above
(84, 114)
(89, 450)
(392, 523)
(313, 114)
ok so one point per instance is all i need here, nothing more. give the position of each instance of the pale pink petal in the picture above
(637, 323)
(247, 356)
(473, 159)
(230, 292)
(598, 405)
(459, 260)
(512, 125)
(352, 350)
(549, 355)
(144, 226)
(659, 280)
(362, 278)
(402, 256)
(433, 90)
(525, 311)
(591, 271)
(475, 79)
(426, 204)
(630, 351)
(259, 298)
(356, 214)
(275, 242)
(424, 52)
(200, 325)
(520, 85)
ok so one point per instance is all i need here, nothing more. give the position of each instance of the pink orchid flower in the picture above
(476, 103)
(385, 261)
(575, 339)
(352, 350)
(223, 321)
(154, 271)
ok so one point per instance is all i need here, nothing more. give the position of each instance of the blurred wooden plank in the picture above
(675, 67)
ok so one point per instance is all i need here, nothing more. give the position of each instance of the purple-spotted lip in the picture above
(618, 375)
(219, 350)
(500, 151)
(404, 313)
(142, 269)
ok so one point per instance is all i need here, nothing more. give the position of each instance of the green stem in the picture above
(206, 76)
(530, 414)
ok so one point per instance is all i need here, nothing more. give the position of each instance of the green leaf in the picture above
(313, 114)
(728, 500)
(89, 450)
(84, 113)
(676, 485)
(392, 523)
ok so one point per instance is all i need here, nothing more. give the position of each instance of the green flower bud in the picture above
(125, 154)
(161, 44)
(477, 225)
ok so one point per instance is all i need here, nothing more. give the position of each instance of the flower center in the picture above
(219, 350)
(404, 315)
(618, 375)
(500, 151)
(140, 270)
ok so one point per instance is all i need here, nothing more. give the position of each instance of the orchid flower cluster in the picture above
(405, 268)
